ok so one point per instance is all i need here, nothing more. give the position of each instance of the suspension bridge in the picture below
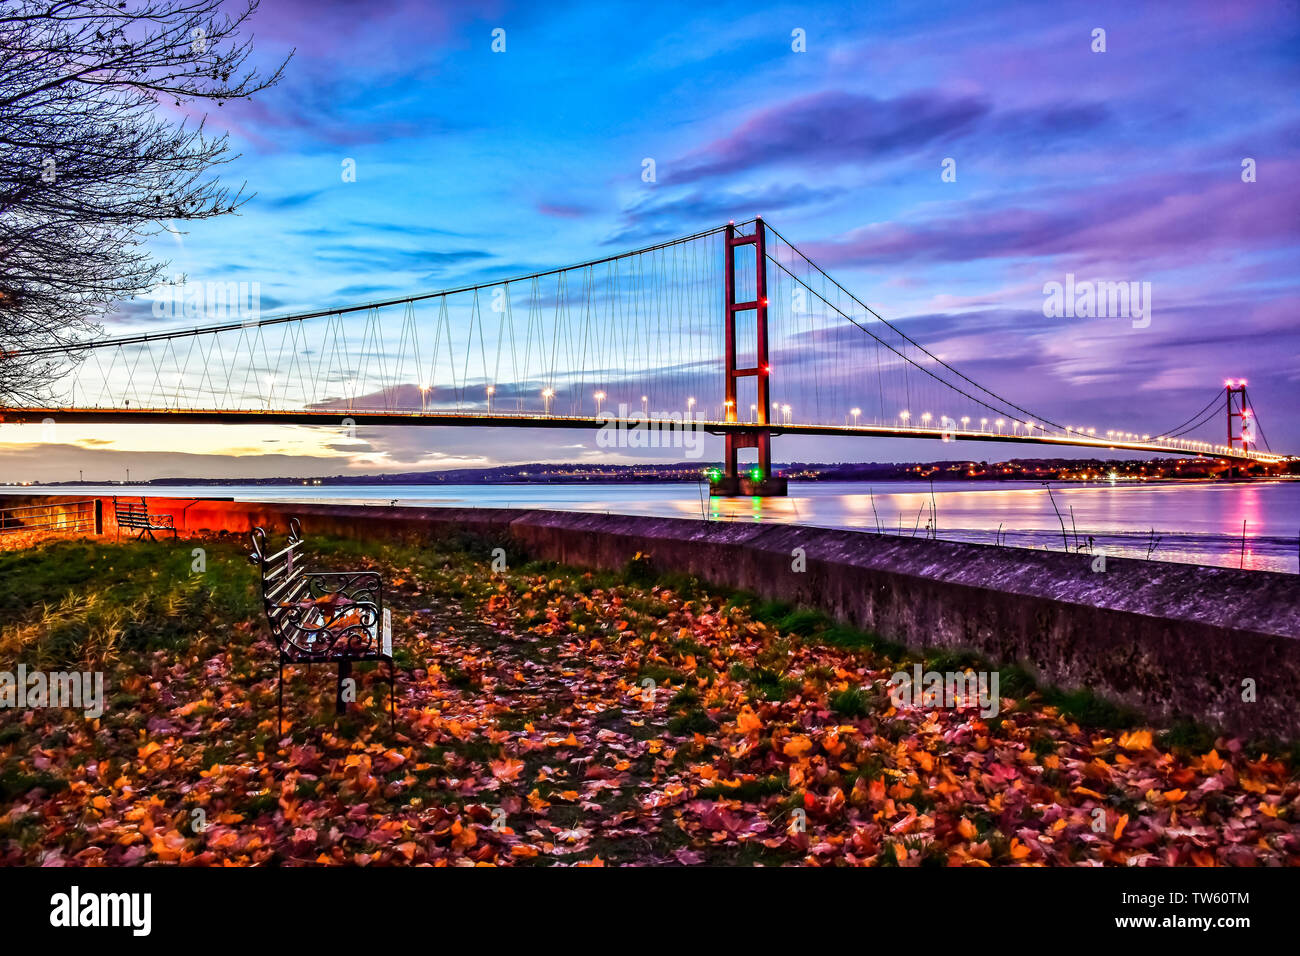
(732, 331)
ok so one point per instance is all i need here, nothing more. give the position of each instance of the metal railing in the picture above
(66, 517)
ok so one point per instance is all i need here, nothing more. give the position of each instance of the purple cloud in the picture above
(834, 127)
(657, 217)
(1154, 217)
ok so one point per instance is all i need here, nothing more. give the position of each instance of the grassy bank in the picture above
(547, 715)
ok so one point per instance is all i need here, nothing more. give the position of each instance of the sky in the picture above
(1123, 164)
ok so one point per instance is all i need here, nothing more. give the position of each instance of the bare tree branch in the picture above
(91, 167)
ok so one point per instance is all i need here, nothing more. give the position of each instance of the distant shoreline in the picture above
(370, 481)
(1022, 469)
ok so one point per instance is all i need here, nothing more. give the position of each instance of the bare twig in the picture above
(934, 512)
(1153, 542)
(90, 168)
(1064, 540)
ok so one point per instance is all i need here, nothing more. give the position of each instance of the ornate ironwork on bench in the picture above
(322, 616)
(135, 517)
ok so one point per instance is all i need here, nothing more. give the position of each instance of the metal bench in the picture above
(323, 616)
(135, 517)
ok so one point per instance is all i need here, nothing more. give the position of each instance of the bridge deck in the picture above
(359, 416)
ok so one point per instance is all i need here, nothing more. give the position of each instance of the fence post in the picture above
(99, 516)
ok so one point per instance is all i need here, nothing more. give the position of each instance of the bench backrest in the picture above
(131, 515)
(283, 582)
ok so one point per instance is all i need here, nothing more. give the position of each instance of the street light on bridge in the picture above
(999, 424)
(786, 409)
(925, 418)
(690, 406)
(491, 390)
(600, 397)
(548, 394)
(855, 412)
(984, 424)
(965, 420)
(645, 405)
(905, 415)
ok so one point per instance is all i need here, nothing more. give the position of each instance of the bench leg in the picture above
(392, 696)
(280, 707)
(345, 671)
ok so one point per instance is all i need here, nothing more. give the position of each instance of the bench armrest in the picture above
(357, 586)
(327, 630)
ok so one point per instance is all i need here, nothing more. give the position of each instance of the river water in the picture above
(1196, 523)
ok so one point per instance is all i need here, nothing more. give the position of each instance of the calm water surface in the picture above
(1197, 523)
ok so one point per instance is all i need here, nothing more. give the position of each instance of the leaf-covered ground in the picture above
(549, 716)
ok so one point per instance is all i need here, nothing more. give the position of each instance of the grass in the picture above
(1083, 705)
(765, 683)
(747, 789)
(85, 603)
(568, 651)
(803, 621)
(854, 702)
(1088, 709)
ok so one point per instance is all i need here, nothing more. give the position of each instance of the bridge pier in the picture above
(759, 479)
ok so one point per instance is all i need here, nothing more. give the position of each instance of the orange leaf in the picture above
(747, 721)
(1137, 740)
(832, 745)
(797, 746)
(149, 749)
(1119, 827)
(1252, 785)
(508, 769)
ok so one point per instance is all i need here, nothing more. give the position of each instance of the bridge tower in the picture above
(760, 480)
(1244, 432)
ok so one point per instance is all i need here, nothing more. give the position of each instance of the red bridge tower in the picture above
(759, 480)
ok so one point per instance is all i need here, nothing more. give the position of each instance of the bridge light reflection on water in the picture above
(1194, 523)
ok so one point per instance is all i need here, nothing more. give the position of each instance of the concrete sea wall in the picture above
(1168, 640)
